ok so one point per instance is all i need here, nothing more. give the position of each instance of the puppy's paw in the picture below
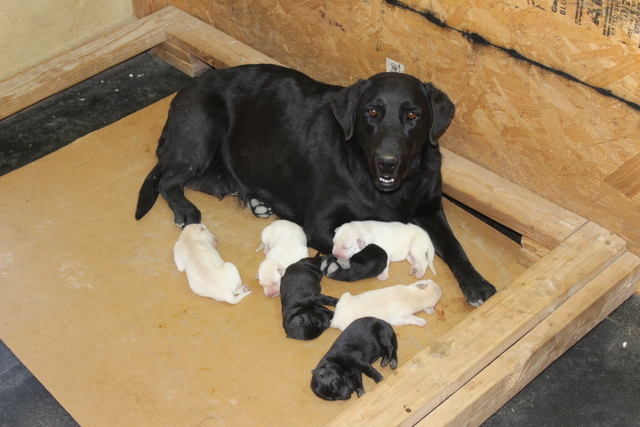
(391, 361)
(259, 209)
(360, 391)
(331, 265)
(384, 275)
(415, 320)
(394, 363)
(377, 377)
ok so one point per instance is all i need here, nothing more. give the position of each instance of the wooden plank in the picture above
(179, 59)
(421, 384)
(87, 60)
(531, 251)
(521, 210)
(515, 368)
(213, 46)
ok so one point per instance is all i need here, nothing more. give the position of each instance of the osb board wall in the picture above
(556, 136)
(31, 31)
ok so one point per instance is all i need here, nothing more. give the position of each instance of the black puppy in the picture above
(373, 261)
(364, 341)
(316, 154)
(304, 316)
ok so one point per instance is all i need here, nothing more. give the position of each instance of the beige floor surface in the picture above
(92, 303)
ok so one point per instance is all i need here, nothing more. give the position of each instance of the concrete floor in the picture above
(596, 383)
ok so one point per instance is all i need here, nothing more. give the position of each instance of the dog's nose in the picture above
(387, 164)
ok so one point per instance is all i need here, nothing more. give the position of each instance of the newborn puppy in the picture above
(400, 241)
(304, 316)
(209, 276)
(395, 304)
(339, 372)
(284, 243)
(373, 263)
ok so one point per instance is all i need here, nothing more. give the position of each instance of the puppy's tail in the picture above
(148, 192)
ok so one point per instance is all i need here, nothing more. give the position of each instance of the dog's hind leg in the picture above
(389, 345)
(171, 186)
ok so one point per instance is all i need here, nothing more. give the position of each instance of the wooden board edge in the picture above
(179, 59)
(211, 45)
(540, 220)
(478, 399)
(84, 61)
(438, 371)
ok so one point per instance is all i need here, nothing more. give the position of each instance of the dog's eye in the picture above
(412, 116)
(372, 112)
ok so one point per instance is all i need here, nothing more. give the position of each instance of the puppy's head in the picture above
(347, 242)
(331, 382)
(392, 116)
(269, 275)
(308, 323)
(199, 232)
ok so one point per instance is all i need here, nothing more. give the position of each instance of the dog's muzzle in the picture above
(387, 172)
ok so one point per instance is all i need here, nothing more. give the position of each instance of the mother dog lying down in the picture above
(312, 153)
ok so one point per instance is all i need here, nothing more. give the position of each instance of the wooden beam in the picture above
(423, 383)
(508, 374)
(213, 46)
(87, 60)
(180, 59)
(509, 204)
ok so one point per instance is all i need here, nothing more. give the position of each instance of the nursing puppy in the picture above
(284, 243)
(209, 276)
(339, 372)
(373, 262)
(400, 241)
(394, 304)
(304, 316)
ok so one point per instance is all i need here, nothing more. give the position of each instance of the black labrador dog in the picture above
(315, 154)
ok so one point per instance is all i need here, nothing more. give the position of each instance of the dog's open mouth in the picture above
(387, 183)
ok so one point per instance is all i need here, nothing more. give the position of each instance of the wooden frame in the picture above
(579, 271)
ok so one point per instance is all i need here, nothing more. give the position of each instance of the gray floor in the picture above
(596, 383)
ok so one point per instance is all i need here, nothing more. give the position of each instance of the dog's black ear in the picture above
(442, 110)
(319, 372)
(343, 106)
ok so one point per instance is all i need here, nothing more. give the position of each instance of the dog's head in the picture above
(347, 242)
(199, 232)
(269, 275)
(392, 116)
(331, 382)
(308, 323)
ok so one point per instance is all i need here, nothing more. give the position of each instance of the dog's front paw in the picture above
(259, 209)
(478, 292)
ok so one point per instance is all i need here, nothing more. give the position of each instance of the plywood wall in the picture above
(542, 100)
(31, 31)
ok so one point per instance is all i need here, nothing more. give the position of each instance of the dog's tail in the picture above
(148, 192)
